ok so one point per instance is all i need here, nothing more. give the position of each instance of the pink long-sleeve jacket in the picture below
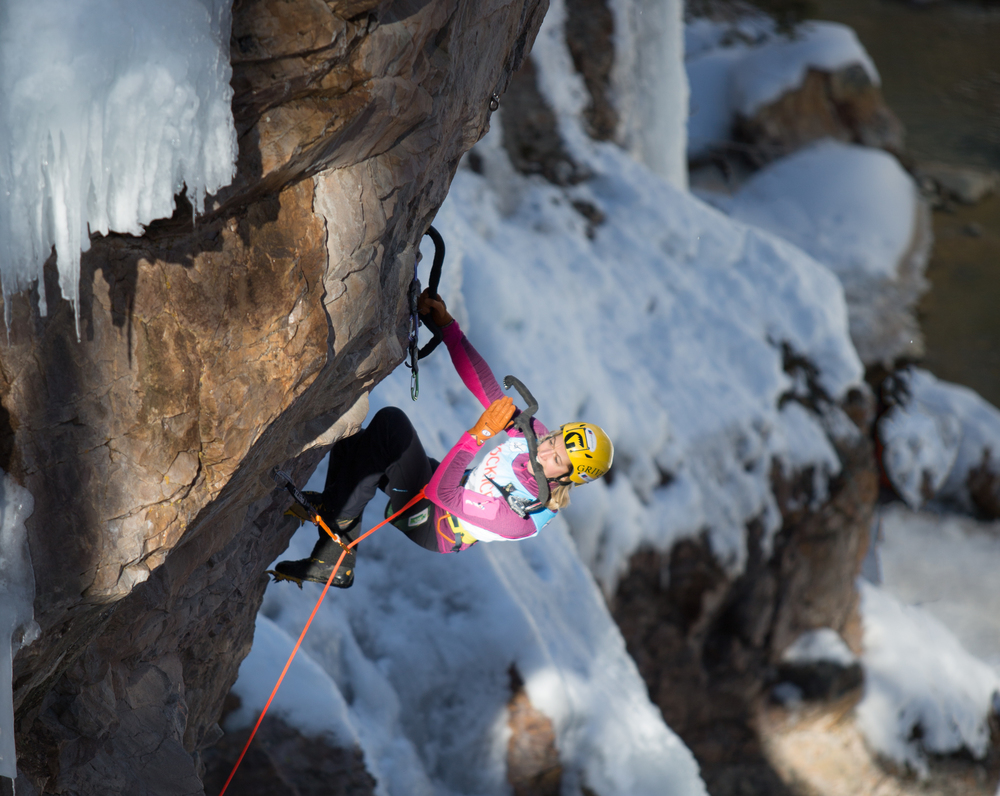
(458, 508)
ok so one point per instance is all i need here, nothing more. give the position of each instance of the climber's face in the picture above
(554, 458)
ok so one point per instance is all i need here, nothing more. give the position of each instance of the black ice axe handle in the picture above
(285, 480)
(432, 286)
(523, 424)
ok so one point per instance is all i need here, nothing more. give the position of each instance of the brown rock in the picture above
(281, 760)
(210, 354)
(961, 183)
(533, 767)
(844, 105)
(590, 32)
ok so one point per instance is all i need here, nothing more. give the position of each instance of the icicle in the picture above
(17, 597)
(106, 108)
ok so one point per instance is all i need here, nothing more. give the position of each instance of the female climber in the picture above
(496, 500)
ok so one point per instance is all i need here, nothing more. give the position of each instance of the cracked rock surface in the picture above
(211, 353)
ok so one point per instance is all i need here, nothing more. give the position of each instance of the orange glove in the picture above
(494, 420)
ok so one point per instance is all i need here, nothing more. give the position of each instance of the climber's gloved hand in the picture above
(494, 420)
(431, 304)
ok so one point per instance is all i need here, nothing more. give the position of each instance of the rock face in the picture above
(282, 760)
(533, 767)
(709, 646)
(212, 353)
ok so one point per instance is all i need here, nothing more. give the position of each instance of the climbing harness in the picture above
(416, 353)
(280, 476)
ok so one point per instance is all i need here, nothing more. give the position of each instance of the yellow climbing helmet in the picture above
(590, 451)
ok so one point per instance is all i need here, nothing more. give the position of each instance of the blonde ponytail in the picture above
(559, 497)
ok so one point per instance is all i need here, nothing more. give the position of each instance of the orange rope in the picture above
(419, 496)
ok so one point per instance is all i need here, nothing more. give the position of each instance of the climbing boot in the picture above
(321, 561)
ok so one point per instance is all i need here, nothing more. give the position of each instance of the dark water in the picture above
(961, 314)
(940, 69)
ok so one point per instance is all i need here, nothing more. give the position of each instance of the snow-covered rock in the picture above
(774, 88)
(859, 213)
(422, 646)
(924, 693)
(946, 564)
(940, 441)
(704, 347)
(818, 665)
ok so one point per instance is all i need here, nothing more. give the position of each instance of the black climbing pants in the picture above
(385, 455)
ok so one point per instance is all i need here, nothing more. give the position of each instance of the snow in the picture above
(924, 693)
(932, 659)
(666, 325)
(859, 224)
(934, 436)
(308, 698)
(866, 223)
(693, 325)
(946, 565)
(17, 596)
(821, 645)
(739, 68)
(101, 137)
(421, 647)
(767, 72)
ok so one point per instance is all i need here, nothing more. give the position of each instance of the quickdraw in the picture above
(415, 353)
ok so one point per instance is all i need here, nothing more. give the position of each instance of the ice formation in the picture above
(650, 84)
(107, 110)
(17, 596)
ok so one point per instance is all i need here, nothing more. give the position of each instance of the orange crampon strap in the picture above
(302, 635)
